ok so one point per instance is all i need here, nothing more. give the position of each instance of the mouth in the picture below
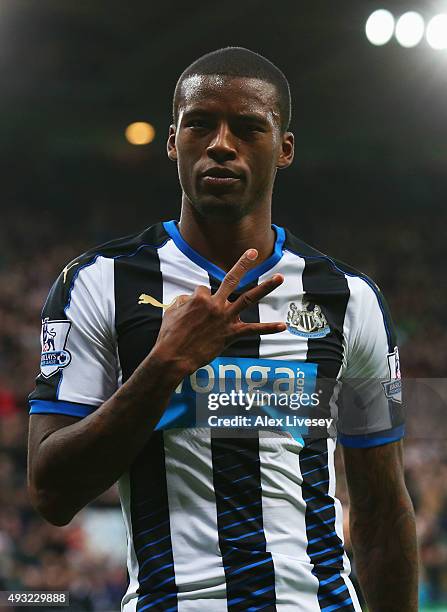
(220, 177)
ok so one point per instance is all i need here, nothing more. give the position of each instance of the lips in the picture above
(219, 172)
(220, 177)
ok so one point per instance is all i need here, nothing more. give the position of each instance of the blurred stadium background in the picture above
(368, 186)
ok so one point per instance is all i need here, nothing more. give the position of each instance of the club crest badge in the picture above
(305, 322)
(53, 339)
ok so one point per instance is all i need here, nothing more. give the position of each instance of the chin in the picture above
(221, 209)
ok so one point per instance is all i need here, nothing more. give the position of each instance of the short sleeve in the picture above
(370, 409)
(79, 365)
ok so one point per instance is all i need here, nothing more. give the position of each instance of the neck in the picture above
(222, 241)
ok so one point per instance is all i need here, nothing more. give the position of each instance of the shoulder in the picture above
(364, 299)
(318, 262)
(152, 238)
(93, 269)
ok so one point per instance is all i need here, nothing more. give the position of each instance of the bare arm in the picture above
(382, 528)
(71, 462)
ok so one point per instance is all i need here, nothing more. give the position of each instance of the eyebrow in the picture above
(255, 117)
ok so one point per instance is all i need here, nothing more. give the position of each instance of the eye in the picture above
(197, 123)
(252, 128)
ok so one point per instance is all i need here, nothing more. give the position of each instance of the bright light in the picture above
(140, 133)
(379, 27)
(437, 32)
(410, 29)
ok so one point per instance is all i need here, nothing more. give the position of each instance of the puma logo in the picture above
(148, 299)
(67, 268)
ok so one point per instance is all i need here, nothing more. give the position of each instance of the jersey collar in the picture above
(252, 275)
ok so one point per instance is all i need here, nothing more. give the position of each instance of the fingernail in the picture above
(251, 254)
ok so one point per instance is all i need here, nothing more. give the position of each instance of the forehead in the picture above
(226, 93)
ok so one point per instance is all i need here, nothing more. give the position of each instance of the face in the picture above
(228, 144)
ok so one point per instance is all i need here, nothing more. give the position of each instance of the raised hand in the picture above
(196, 328)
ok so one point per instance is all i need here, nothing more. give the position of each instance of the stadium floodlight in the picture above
(140, 133)
(437, 32)
(410, 29)
(379, 27)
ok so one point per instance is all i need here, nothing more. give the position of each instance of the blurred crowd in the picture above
(403, 255)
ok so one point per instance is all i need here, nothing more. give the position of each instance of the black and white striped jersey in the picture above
(223, 522)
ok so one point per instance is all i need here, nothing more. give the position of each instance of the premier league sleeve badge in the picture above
(53, 339)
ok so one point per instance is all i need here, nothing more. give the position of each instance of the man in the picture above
(218, 520)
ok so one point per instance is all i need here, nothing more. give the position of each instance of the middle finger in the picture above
(256, 294)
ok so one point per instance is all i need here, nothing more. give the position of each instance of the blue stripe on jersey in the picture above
(336, 591)
(374, 439)
(324, 547)
(60, 407)
(218, 273)
(249, 571)
(151, 528)
(344, 604)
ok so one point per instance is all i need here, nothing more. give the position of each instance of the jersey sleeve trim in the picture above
(60, 407)
(375, 439)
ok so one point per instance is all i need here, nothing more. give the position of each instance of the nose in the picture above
(221, 148)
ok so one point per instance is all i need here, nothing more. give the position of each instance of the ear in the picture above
(170, 145)
(287, 151)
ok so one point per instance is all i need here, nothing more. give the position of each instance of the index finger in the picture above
(234, 276)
